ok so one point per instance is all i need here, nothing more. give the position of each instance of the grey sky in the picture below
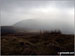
(13, 11)
(58, 13)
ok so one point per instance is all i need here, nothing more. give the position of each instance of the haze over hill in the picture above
(37, 25)
(38, 15)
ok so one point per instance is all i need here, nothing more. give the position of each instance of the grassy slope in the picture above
(39, 43)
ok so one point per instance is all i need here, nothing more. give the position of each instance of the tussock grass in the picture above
(41, 43)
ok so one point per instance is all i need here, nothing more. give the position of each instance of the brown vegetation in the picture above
(46, 43)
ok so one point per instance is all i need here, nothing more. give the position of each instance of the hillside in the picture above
(7, 30)
(42, 43)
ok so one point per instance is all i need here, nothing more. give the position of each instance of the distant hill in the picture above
(28, 25)
(34, 25)
(7, 30)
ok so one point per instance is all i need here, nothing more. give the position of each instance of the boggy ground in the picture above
(36, 43)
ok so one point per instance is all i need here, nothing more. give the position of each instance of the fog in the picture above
(49, 14)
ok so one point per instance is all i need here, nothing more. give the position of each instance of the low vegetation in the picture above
(42, 43)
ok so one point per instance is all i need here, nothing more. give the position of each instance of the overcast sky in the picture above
(46, 11)
(13, 11)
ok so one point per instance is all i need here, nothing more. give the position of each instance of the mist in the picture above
(46, 15)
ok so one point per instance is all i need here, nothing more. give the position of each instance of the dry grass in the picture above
(36, 43)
